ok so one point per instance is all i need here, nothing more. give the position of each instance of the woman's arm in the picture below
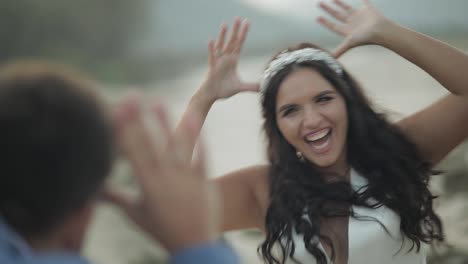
(244, 192)
(222, 80)
(437, 129)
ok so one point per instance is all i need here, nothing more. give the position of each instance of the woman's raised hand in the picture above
(222, 80)
(359, 26)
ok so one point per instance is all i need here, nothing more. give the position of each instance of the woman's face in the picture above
(312, 117)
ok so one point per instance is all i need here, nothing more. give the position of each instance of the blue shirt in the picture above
(14, 250)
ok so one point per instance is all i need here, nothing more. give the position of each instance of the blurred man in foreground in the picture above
(57, 147)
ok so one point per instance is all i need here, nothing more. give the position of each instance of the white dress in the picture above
(368, 241)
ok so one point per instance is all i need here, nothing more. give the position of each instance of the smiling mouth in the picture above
(319, 142)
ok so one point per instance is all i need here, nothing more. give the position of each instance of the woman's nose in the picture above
(311, 118)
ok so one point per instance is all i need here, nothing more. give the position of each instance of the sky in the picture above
(293, 9)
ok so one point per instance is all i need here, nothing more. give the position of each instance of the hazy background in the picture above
(139, 41)
(160, 46)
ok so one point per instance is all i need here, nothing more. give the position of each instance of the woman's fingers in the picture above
(344, 5)
(211, 53)
(221, 37)
(234, 44)
(242, 36)
(335, 27)
(338, 15)
(230, 45)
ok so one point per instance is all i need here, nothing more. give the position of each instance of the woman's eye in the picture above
(323, 99)
(289, 111)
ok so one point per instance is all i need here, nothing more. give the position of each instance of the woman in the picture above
(343, 185)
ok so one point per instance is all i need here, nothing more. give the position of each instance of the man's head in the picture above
(56, 148)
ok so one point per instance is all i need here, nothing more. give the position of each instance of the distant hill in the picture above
(181, 31)
(181, 28)
(186, 26)
(438, 17)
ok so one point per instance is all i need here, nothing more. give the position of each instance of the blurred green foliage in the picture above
(94, 35)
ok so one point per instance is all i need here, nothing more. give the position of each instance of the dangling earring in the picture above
(300, 156)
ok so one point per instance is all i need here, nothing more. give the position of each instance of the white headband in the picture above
(286, 58)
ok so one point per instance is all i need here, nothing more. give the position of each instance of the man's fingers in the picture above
(136, 141)
(120, 200)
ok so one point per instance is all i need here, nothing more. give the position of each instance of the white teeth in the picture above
(323, 145)
(318, 136)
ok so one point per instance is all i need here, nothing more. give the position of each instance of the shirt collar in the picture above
(11, 242)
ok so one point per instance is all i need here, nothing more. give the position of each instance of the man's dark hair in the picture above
(56, 145)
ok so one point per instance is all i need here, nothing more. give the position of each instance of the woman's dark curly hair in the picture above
(397, 175)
